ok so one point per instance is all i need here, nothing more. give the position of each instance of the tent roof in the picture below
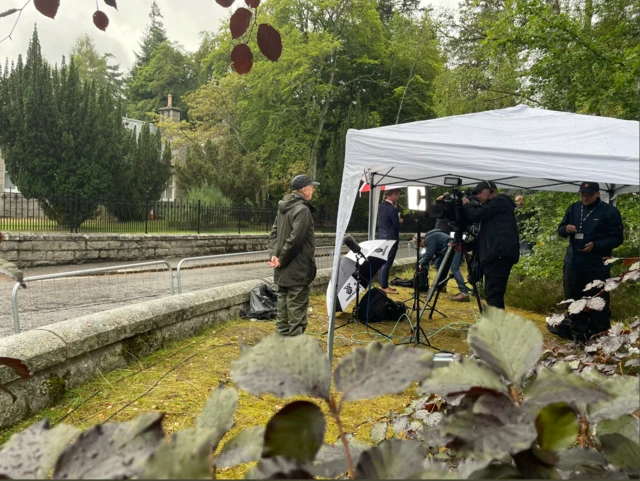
(518, 147)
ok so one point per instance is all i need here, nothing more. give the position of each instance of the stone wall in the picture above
(67, 354)
(35, 250)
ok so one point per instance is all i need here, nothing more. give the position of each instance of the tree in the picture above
(197, 169)
(142, 175)
(169, 71)
(154, 35)
(61, 137)
(92, 66)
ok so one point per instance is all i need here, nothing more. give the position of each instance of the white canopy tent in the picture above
(517, 148)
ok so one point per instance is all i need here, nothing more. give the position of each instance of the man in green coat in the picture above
(292, 251)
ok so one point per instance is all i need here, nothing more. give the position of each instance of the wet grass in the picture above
(177, 379)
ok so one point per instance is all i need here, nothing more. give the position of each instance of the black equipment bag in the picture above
(380, 307)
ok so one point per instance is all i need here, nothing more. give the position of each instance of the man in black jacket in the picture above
(292, 252)
(497, 244)
(389, 221)
(594, 229)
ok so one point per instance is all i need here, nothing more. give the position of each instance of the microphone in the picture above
(351, 243)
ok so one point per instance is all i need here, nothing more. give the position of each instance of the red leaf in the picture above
(225, 3)
(242, 58)
(240, 21)
(17, 365)
(269, 42)
(111, 3)
(48, 8)
(252, 3)
(100, 20)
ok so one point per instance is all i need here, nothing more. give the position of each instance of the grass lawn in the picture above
(177, 379)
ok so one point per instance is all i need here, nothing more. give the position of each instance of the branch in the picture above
(11, 12)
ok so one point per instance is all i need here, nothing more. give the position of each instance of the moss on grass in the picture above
(177, 379)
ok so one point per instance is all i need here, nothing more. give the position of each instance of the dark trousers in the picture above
(292, 310)
(494, 290)
(574, 282)
(383, 276)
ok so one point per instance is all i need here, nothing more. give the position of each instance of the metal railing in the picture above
(85, 272)
(212, 257)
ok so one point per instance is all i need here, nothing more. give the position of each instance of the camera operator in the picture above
(497, 244)
(292, 252)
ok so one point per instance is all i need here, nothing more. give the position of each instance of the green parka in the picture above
(292, 242)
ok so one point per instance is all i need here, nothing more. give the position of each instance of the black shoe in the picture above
(562, 330)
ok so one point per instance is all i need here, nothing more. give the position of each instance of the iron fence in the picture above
(76, 214)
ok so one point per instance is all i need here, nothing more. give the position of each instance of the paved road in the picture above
(55, 300)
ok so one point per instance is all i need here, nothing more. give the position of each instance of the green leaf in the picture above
(496, 471)
(331, 460)
(33, 453)
(575, 458)
(279, 468)
(380, 369)
(486, 435)
(626, 425)
(460, 377)
(532, 464)
(560, 384)
(244, 447)
(500, 406)
(188, 454)
(509, 344)
(295, 432)
(625, 392)
(621, 451)
(379, 432)
(393, 459)
(557, 426)
(112, 450)
(284, 367)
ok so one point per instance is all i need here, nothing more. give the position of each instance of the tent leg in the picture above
(372, 200)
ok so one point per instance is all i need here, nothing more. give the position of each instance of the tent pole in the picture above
(613, 196)
(372, 200)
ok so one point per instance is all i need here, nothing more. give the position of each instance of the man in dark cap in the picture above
(594, 229)
(292, 252)
(497, 244)
(389, 223)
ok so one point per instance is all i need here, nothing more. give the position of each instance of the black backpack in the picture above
(380, 307)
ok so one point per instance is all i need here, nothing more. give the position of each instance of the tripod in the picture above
(414, 338)
(439, 282)
(353, 317)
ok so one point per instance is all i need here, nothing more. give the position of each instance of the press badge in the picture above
(579, 235)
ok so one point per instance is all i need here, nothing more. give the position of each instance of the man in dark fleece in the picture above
(292, 252)
(594, 229)
(497, 244)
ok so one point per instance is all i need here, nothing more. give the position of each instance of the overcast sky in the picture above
(183, 19)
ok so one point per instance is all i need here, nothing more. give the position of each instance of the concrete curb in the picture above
(67, 354)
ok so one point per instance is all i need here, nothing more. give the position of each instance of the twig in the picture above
(336, 416)
(11, 12)
(175, 366)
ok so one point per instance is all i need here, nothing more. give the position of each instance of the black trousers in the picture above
(574, 282)
(494, 290)
(383, 275)
(496, 277)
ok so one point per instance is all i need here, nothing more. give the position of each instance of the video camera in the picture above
(450, 207)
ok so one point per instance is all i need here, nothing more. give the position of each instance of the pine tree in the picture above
(142, 176)
(61, 139)
(153, 37)
(197, 169)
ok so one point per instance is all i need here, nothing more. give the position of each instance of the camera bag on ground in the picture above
(380, 307)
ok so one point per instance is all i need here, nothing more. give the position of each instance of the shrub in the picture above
(513, 418)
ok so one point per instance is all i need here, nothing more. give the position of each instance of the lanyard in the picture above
(582, 219)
